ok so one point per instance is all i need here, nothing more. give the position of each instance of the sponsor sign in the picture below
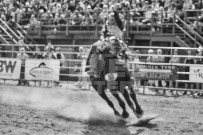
(42, 70)
(156, 72)
(10, 68)
(196, 73)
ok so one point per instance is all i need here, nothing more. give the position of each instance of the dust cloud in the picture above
(68, 104)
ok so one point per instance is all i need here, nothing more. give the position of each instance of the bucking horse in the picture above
(113, 74)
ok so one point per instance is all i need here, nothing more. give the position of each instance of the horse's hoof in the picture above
(139, 113)
(125, 115)
(117, 113)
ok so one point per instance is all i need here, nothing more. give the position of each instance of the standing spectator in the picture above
(188, 60)
(60, 56)
(199, 61)
(159, 59)
(78, 66)
(49, 56)
(23, 57)
(49, 46)
(174, 60)
(83, 67)
(136, 60)
(38, 54)
(150, 59)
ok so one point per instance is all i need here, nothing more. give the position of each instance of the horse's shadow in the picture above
(105, 122)
(109, 127)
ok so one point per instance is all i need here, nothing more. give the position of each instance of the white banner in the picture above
(42, 70)
(196, 73)
(10, 68)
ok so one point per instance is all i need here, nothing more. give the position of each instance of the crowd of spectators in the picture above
(48, 52)
(156, 56)
(90, 12)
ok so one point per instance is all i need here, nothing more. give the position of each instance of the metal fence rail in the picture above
(144, 82)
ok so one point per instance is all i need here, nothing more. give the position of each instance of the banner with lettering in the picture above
(10, 68)
(48, 70)
(155, 72)
(196, 73)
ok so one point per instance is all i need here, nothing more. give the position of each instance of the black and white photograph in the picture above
(101, 67)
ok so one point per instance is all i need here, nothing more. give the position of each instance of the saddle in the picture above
(99, 51)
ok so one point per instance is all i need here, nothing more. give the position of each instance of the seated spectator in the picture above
(49, 18)
(199, 23)
(188, 4)
(170, 13)
(148, 16)
(155, 5)
(56, 19)
(146, 6)
(62, 22)
(135, 18)
(34, 24)
(3, 17)
(42, 16)
(136, 7)
(104, 14)
(11, 23)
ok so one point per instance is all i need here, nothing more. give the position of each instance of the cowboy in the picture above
(111, 39)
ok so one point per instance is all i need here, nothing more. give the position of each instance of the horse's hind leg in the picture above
(125, 114)
(139, 112)
(101, 92)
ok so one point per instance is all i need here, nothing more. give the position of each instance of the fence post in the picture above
(173, 29)
(96, 30)
(40, 28)
(13, 49)
(127, 27)
(151, 26)
(67, 31)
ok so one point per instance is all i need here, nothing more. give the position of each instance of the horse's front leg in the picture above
(125, 114)
(139, 112)
(101, 92)
(104, 96)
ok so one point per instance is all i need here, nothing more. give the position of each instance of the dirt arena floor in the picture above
(70, 111)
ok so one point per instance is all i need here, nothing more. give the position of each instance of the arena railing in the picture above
(141, 82)
(190, 16)
(164, 26)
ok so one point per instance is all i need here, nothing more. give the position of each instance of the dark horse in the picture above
(115, 76)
